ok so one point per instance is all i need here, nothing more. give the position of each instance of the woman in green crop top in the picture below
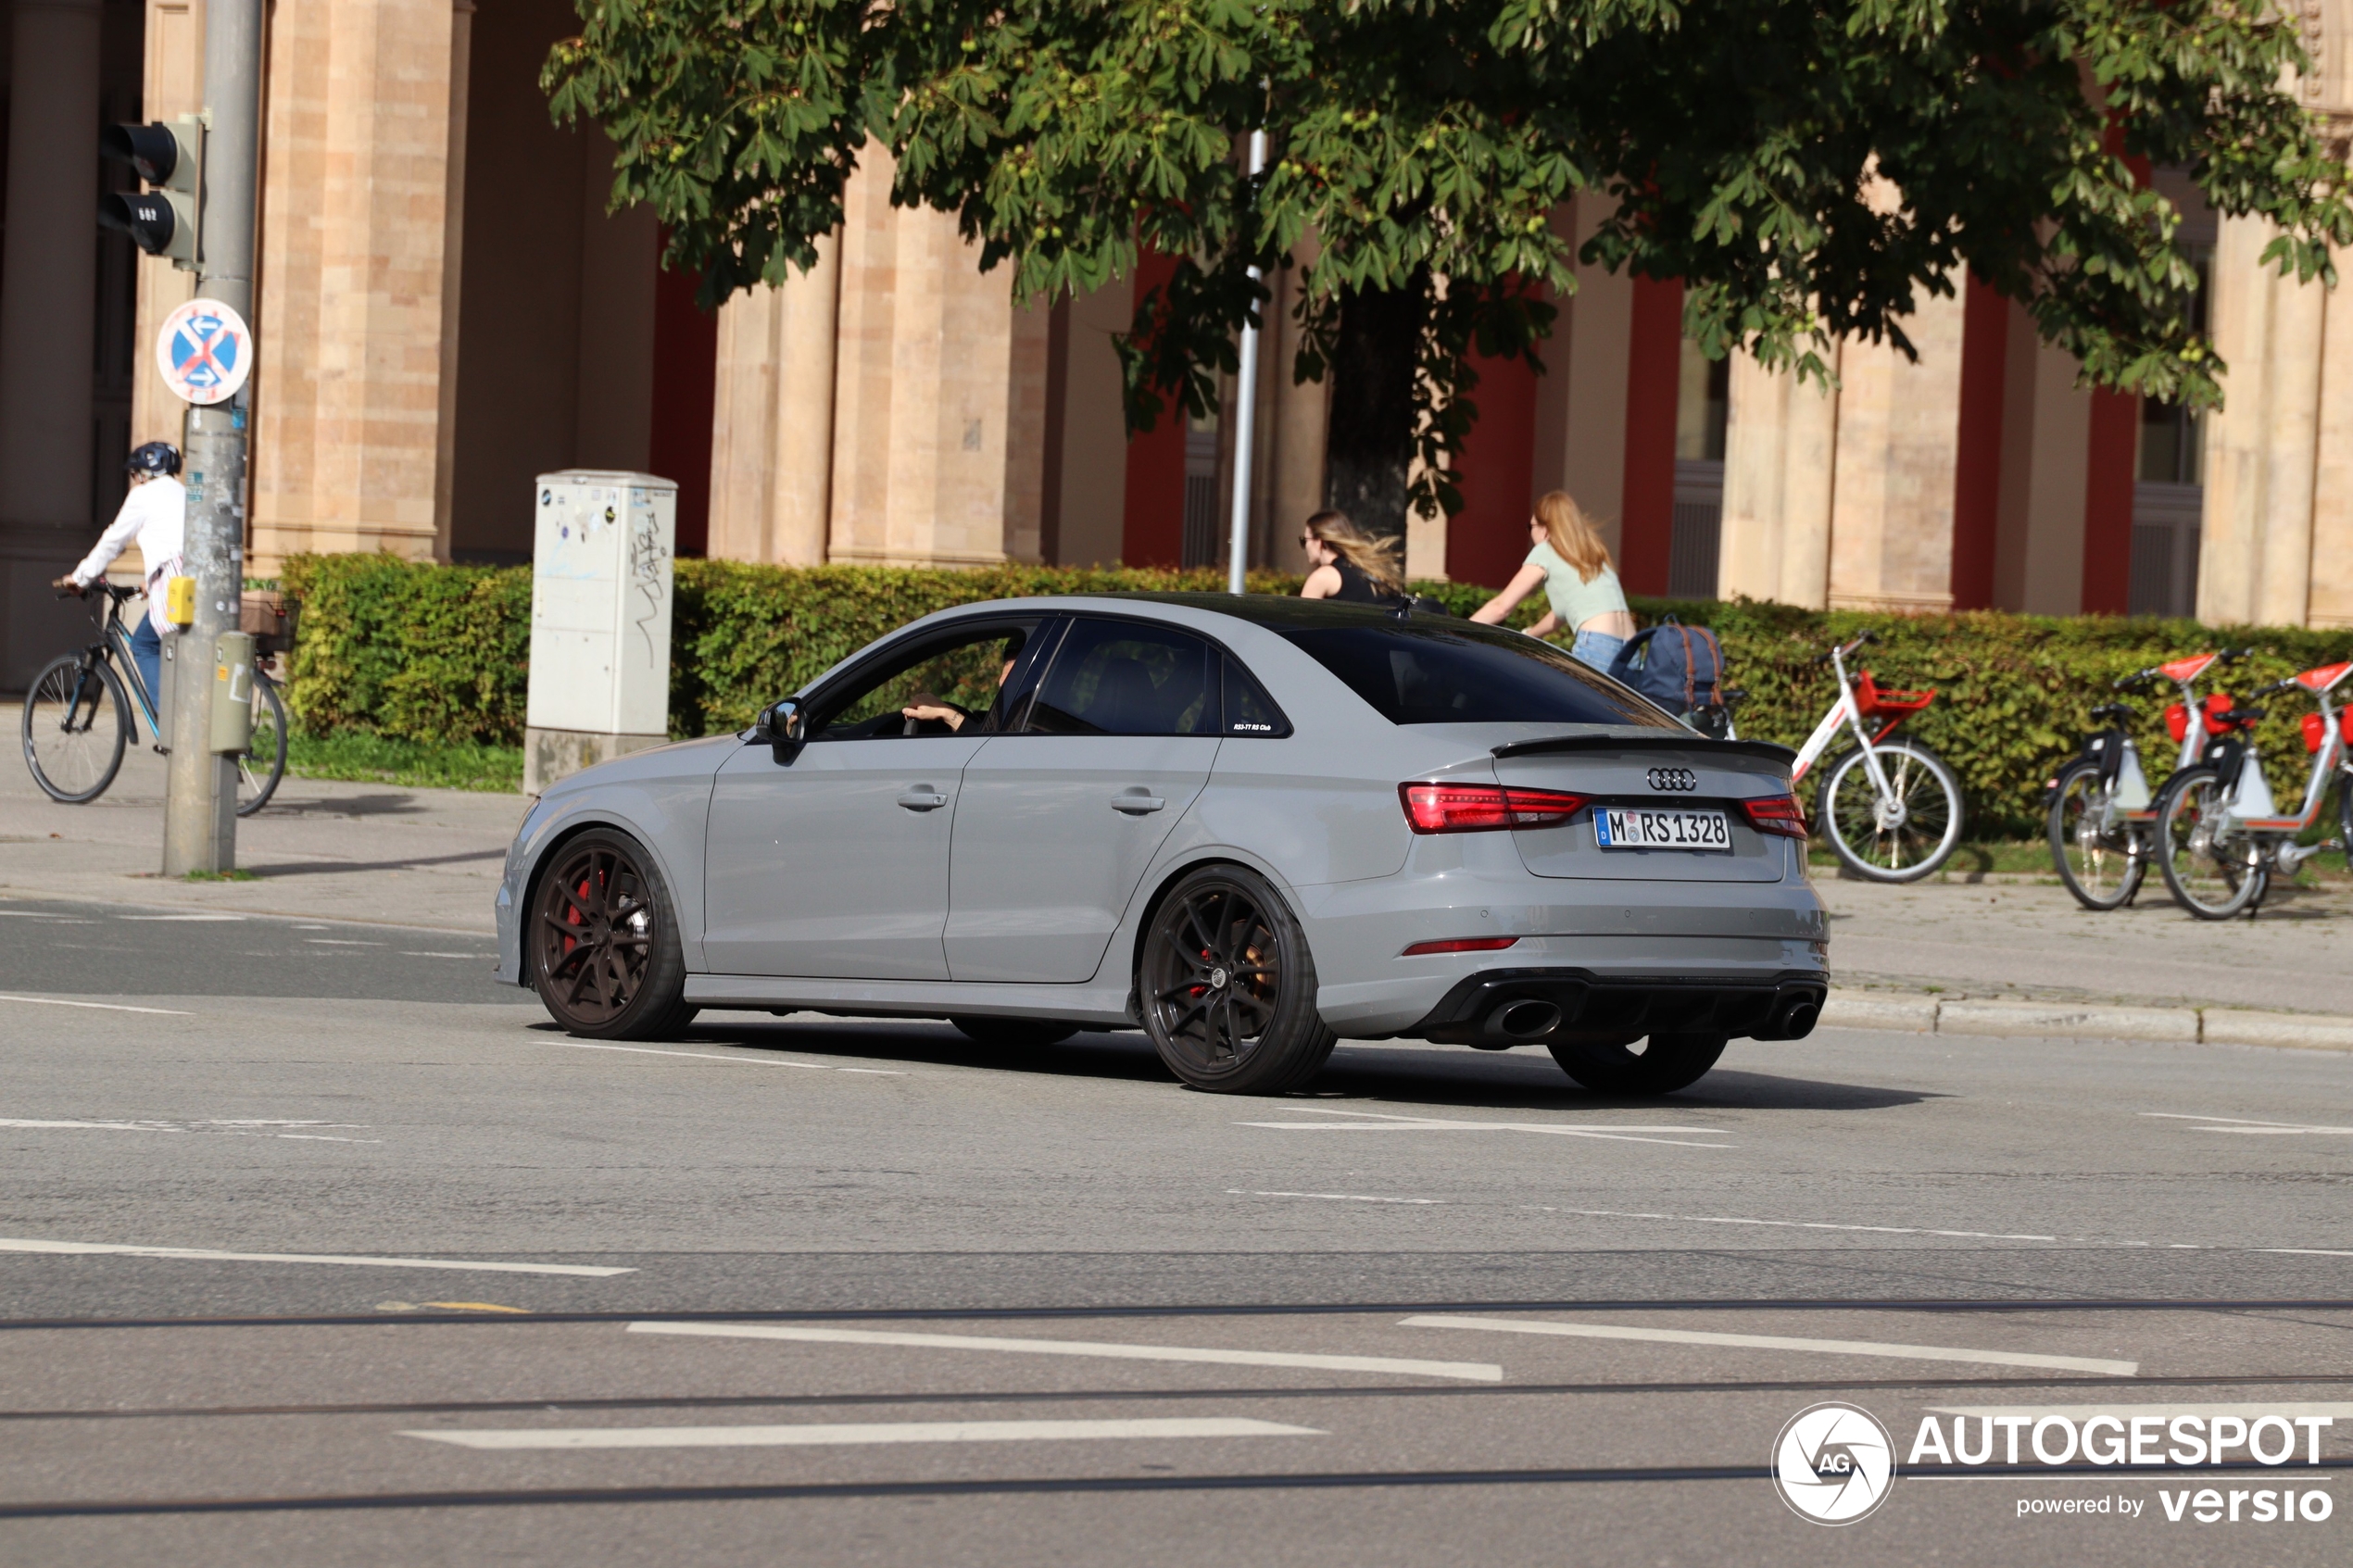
(1571, 564)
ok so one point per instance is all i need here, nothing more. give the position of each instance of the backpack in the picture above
(1675, 666)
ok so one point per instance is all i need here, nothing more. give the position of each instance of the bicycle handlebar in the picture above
(1848, 651)
(2111, 711)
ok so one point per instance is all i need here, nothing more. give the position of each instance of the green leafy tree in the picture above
(1809, 169)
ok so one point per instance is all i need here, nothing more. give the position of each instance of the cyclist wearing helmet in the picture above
(155, 514)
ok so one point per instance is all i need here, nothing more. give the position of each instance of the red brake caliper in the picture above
(572, 915)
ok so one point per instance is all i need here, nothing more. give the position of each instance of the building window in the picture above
(1703, 406)
(2169, 499)
(1201, 542)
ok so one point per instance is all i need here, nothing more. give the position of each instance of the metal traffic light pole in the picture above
(200, 803)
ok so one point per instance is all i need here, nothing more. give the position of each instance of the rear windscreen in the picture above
(1461, 673)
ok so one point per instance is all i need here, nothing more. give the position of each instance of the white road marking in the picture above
(102, 1006)
(485, 957)
(2288, 1407)
(203, 1254)
(1334, 1196)
(1793, 1225)
(816, 1434)
(337, 942)
(206, 919)
(1381, 1122)
(2242, 1124)
(707, 1056)
(35, 914)
(1472, 1371)
(234, 1129)
(1778, 1342)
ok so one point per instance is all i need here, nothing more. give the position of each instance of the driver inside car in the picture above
(926, 709)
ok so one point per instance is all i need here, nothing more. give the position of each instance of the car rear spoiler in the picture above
(1760, 749)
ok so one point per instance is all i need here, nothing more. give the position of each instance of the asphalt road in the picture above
(810, 1291)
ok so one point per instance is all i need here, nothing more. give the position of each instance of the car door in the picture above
(831, 859)
(1058, 821)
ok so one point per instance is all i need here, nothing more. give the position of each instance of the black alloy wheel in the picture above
(1013, 1033)
(1228, 988)
(603, 945)
(1666, 1063)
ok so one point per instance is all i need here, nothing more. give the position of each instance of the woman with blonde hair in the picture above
(1571, 564)
(1348, 564)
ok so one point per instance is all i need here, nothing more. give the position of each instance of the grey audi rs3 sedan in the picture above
(1248, 825)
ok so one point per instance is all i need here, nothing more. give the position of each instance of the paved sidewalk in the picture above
(1976, 940)
(328, 850)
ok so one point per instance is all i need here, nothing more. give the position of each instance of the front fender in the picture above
(660, 798)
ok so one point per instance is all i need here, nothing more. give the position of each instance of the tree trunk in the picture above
(1368, 448)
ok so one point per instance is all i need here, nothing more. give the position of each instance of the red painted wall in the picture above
(685, 379)
(2108, 501)
(1153, 515)
(1487, 539)
(1977, 484)
(1654, 362)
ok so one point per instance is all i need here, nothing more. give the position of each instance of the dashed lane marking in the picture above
(1778, 1342)
(817, 1435)
(208, 920)
(1470, 1372)
(1332, 1197)
(2242, 1124)
(102, 1006)
(1377, 1122)
(255, 1129)
(710, 1056)
(202, 1254)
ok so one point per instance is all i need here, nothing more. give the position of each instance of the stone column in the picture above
(772, 441)
(2331, 602)
(1780, 456)
(1898, 449)
(2255, 564)
(453, 254)
(939, 394)
(48, 316)
(356, 191)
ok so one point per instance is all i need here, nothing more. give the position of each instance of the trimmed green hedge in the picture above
(438, 654)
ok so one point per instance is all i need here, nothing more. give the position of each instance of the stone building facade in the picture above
(448, 309)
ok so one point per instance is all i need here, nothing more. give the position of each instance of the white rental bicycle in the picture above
(2220, 836)
(1890, 806)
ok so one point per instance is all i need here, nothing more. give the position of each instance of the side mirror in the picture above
(780, 726)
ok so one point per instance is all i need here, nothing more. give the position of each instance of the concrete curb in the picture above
(2212, 1026)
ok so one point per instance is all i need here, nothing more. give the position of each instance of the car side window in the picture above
(1249, 710)
(1125, 678)
(947, 685)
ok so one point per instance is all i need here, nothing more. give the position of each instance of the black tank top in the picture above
(1357, 588)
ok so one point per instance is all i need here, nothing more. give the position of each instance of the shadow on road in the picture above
(1388, 1073)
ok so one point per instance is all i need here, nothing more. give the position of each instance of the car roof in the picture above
(1275, 611)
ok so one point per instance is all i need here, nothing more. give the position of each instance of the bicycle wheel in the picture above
(1905, 837)
(2100, 858)
(264, 762)
(2212, 869)
(77, 722)
(2345, 818)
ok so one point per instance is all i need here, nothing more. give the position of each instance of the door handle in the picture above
(923, 797)
(1137, 805)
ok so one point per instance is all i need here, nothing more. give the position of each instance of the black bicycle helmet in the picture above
(156, 457)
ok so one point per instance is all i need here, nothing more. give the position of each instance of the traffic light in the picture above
(168, 154)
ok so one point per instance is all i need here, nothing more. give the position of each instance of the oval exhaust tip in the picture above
(1526, 1018)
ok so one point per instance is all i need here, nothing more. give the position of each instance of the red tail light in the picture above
(1462, 945)
(1777, 814)
(1444, 807)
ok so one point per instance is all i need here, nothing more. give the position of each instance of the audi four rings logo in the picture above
(1674, 778)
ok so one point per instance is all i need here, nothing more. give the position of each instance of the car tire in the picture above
(1227, 986)
(602, 944)
(1666, 1064)
(1013, 1033)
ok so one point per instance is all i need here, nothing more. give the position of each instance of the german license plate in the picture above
(1635, 828)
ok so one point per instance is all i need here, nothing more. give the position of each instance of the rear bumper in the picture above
(1519, 1007)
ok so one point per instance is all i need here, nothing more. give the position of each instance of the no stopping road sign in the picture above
(205, 351)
